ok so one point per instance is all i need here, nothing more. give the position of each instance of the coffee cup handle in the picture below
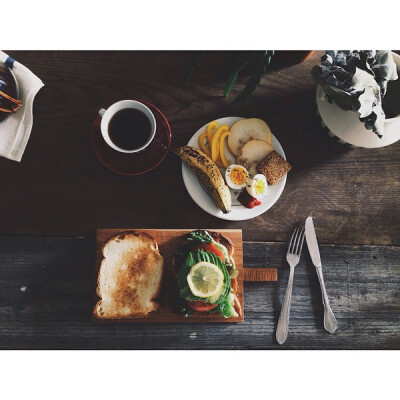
(102, 112)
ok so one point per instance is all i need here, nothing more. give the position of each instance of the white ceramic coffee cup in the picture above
(106, 116)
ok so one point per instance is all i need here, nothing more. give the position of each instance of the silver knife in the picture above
(330, 323)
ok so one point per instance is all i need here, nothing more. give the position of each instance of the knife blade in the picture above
(330, 323)
(312, 242)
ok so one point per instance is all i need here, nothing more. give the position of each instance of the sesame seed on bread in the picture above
(273, 167)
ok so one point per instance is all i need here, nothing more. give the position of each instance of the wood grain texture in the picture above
(260, 275)
(61, 189)
(46, 299)
(168, 240)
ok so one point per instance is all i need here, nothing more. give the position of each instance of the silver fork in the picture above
(292, 257)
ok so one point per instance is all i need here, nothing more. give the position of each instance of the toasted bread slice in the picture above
(273, 167)
(129, 277)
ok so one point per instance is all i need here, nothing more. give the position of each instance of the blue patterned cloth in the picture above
(10, 62)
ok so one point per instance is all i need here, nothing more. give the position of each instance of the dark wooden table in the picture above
(53, 201)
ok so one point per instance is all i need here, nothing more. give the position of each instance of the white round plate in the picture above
(238, 212)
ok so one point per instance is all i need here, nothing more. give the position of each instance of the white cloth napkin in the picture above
(15, 130)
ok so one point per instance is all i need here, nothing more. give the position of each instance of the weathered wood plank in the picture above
(46, 298)
(60, 189)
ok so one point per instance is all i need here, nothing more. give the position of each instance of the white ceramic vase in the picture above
(347, 128)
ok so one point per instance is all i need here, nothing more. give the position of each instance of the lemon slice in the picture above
(205, 279)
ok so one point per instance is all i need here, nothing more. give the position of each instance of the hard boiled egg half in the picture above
(257, 186)
(236, 176)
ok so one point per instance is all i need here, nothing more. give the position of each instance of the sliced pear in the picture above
(246, 130)
(253, 152)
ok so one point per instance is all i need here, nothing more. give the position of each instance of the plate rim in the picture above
(254, 212)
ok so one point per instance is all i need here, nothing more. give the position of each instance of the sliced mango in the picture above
(212, 126)
(202, 145)
(215, 142)
(225, 162)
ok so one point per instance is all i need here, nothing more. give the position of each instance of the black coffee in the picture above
(129, 129)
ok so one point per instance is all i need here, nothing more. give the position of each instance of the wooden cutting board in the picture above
(168, 240)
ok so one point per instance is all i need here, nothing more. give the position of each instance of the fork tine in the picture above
(296, 244)
(300, 241)
(296, 240)
(292, 241)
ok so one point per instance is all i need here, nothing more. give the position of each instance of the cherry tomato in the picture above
(200, 306)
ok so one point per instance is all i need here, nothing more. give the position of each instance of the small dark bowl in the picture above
(13, 89)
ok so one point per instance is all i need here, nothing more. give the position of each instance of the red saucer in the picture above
(136, 163)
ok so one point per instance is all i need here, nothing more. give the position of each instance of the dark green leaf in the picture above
(235, 72)
(255, 78)
(227, 64)
(192, 64)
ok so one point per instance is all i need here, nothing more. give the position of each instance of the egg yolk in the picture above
(238, 176)
(259, 187)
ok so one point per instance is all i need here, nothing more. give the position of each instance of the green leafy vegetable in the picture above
(200, 236)
(224, 303)
(192, 259)
(205, 237)
(193, 237)
(226, 308)
(185, 258)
